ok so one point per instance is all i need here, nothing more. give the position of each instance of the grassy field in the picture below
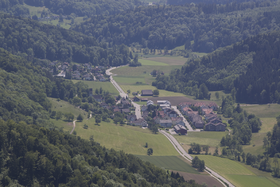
(127, 138)
(141, 70)
(145, 62)
(106, 86)
(225, 166)
(203, 138)
(63, 106)
(250, 181)
(170, 163)
(131, 80)
(263, 111)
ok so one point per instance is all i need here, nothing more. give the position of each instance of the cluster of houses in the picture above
(213, 123)
(78, 71)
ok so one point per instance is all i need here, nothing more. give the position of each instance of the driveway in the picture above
(184, 119)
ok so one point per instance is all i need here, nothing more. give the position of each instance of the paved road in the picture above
(123, 94)
(184, 119)
(184, 154)
(74, 125)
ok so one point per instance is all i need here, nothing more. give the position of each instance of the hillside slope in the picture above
(250, 69)
(201, 28)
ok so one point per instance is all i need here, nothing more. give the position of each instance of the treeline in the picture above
(76, 7)
(247, 69)
(32, 39)
(201, 28)
(32, 156)
(182, 2)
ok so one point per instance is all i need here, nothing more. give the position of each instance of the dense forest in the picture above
(201, 28)
(31, 155)
(76, 7)
(33, 39)
(249, 69)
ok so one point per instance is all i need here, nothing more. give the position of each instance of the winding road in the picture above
(184, 154)
(122, 93)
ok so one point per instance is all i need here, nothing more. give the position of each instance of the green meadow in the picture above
(151, 63)
(203, 138)
(127, 138)
(250, 181)
(170, 163)
(106, 86)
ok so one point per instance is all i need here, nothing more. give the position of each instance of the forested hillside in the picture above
(202, 27)
(249, 69)
(31, 156)
(33, 39)
(77, 7)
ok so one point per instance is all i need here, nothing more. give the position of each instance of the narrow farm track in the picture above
(74, 125)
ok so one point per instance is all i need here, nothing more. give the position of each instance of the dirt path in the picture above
(74, 125)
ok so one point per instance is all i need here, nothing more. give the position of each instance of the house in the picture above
(215, 127)
(126, 110)
(180, 129)
(160, 114)
(144, 108)
(172, 114)
(97, 98)
(144, 99)
(206, 111)
(125, 102)
(150, 102)
(209, 116)
(140, 122)
(165, 123)
(145, 114)
(135, 99)
(197, 121)
(178, 120)
(146, 93)
(215, 120)
(117, 110)
(131, 117)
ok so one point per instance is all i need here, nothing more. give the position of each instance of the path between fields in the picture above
(122, 93)
(188, 157)
(74, 125)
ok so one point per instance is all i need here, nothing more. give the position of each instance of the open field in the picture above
(141, 70)
(131, 80)
(256, 144)
(169, 60)
(162, 93)
(250, 181)
(263, 111)
(145, 62)
(127, 138)
(65, 125)
(203, 138)
(106, 86)
(65, 107)
(170, 163)
(225, 166)
(201, 179)
(267, 124)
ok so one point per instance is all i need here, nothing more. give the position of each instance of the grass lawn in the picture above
(203, 138)
(170, 163)
(127, 138)
(225, 166)
(263, 111)
(65, 107)
(267, 124)
(256, 145)
(145, 62)
(130, 80)
(106, 86)
(67, 126)
(250, 181)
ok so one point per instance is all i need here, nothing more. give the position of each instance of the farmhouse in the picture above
(180, 129)
(136, 99)
(146, 93)
(197, 121)
(131, 117)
